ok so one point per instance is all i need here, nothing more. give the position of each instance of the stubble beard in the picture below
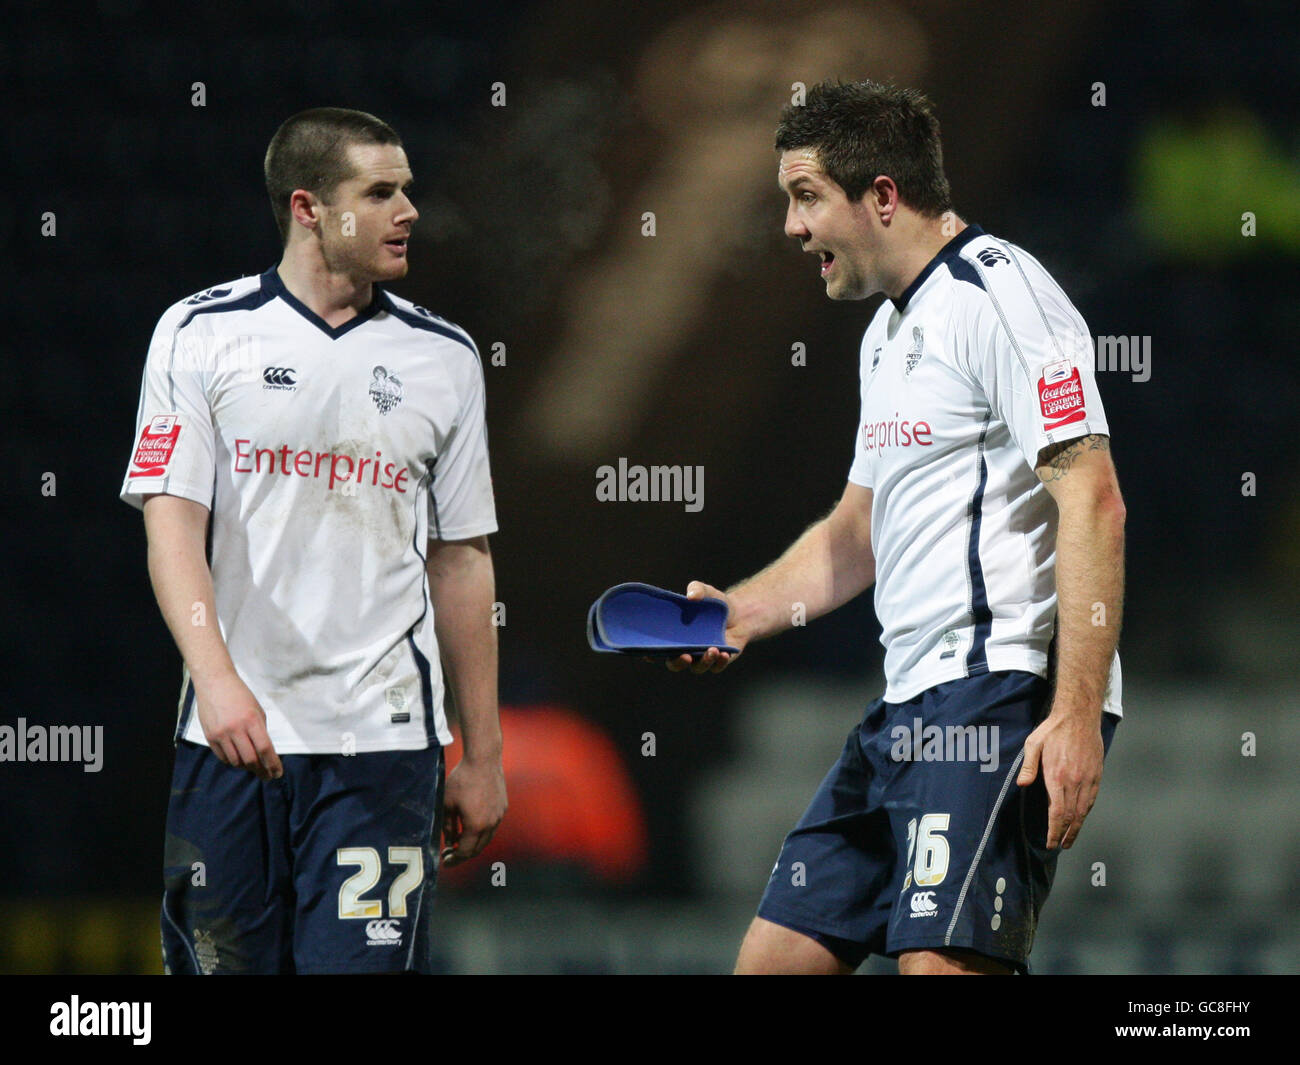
(343, 258)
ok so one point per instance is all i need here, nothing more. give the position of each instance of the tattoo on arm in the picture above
(1055, 460)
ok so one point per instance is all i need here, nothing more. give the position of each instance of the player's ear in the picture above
(883, 195)
(304, 208)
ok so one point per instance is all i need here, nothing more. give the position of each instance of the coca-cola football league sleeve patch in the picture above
(1060, 395)
(156, 446)
(173, 455)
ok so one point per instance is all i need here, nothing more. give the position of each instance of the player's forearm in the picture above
(1090, 600)
(182, 584)
(826, 567)
(463, 588)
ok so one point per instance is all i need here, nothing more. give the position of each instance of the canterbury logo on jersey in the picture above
(991, 257)
(383, 933)
(281, 377)
(340, 469)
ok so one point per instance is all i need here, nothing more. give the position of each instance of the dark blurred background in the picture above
(1148, 155)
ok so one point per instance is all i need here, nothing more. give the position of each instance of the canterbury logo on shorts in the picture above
(383, 933)
(923, 904)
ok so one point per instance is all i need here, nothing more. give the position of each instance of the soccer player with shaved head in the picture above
(982, 503)
(311, 459)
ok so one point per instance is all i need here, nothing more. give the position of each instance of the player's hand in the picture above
(235, 727)
(472, 807)
(713, 660)
(1070, 751)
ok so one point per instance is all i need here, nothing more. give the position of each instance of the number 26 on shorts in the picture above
(932, 853)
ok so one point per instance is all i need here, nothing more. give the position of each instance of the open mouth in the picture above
(828, 259)
(398, 246)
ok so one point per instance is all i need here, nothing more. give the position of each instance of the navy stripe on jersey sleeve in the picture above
(433, 324)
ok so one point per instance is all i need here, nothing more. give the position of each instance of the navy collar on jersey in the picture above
(272, 283)
(948, 251)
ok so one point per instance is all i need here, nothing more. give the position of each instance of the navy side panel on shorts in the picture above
(919, 836)
(331, 868)
(834, 874)
(227, 895)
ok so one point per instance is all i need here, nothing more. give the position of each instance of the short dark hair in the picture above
(860, 130)
(310, 151)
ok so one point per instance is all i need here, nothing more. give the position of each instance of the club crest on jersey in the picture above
(157, 442)
(1060, 395)
(385, 390)
(875, 359)
(396, 699)
(915, 352)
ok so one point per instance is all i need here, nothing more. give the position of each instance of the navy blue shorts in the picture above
(330, 869)
(919, 837)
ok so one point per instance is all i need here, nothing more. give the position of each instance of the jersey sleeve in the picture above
(174, 447)
(1032, 356)
(860, 470)
(461, 504)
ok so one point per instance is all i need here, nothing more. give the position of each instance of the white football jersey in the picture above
(328, 457)
(980, 364)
